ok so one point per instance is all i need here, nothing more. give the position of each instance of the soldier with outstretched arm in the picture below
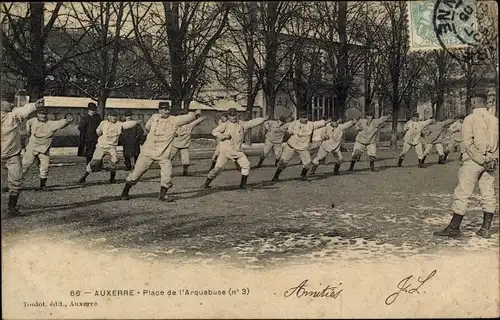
(275, 132)
(413, 138)
(161, 128)
(12, 118)
(455, 137)
(41, 131)
(434, 137)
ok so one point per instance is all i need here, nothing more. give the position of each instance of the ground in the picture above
(390, 212)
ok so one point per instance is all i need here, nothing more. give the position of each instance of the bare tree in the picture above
(176, 40)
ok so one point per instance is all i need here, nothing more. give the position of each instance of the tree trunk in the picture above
(36, 80)
(101, 104)
(250, 67)
(394, 131)
(35, 87)
(342, 67)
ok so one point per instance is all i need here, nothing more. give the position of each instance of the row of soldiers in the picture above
(168, 134)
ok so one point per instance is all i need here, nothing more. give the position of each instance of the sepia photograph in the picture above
(250, 160)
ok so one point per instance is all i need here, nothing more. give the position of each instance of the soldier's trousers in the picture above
(14, 173)
(99, 154)
(224, 157)
(439, 149)
(29, 158)
(418, 149)
(269, 146)
(322, 153)
(450, 147)
(288, 152)
(314, 146)
(184, 155)
(142, 165)
(216, 153)
(359, 149)
(469, 174)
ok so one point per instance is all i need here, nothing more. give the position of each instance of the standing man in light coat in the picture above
(413, 138)
(455, 138)
(109, 132)
(299, 142)
(434, 137)
(479, 163)
(334, 137)
(182, 142)
(161, 129)
(12, 118)
(365, 139)
(231, 134)
(275, 132)
(41, 131)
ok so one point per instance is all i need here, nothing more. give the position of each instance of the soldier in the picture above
(317, 138)
(131, 139)
(455, 138)
(41, 131)
(182, 142)
(223, 119)
(479, 161)
(88, 135)
(434, 136)
(231, 134)
(334, 136)
(413, 138)
(161, 129)
(275, 132)
(299, 142)
(11, 147)
(109, 132)
(365, 139)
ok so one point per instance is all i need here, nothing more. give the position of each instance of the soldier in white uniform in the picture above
(366, 139)
(223, 119)
(434, 136)
(299, 142)
(12, 118)
(161, 129)
(479, 162)
(231, 135)
(275, 132)
(317, 138)
(40, 132)
(109, 132)
(334, 137)
(182, 142)
(413, 138)
(455, 137)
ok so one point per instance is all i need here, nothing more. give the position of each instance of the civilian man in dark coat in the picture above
(88, 135)
(131, 139)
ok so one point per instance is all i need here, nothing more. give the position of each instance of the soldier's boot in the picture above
(43, 183)
(84, 177)
(125, 193)
(400, 161)
(276, 162)
(261, 160)
(12, 207)
(372, 166)
(213, 165)
(441, 160)
(163, 194)
(185, 170)
(351, 167)
(303, 174)
(238, 167)
(485, 228)
(206, 185)
(243, 183)
(277, 174)
(314, 167)
(453, 229)
(421, 163)
(336, 169)
(445, 157)
(112, 177)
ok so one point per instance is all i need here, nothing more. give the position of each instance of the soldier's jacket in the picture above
(455, 131)
(109, 133)
(335, 135)
(11, 138)
(182, 138)
(236, 131)
(319, 134)
(274, 131)
(435, 133)
(480, 136)
(413, 135)
(161, 133)
(41, 133)
(368, 129)
(301, 133)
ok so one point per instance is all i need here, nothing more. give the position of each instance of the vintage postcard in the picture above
(180, 160)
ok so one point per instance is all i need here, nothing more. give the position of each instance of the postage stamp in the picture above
(438, 24)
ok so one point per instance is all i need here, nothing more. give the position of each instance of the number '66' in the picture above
(74, 293)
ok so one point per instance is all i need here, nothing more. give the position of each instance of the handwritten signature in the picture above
(405, 286)
(300, 291)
